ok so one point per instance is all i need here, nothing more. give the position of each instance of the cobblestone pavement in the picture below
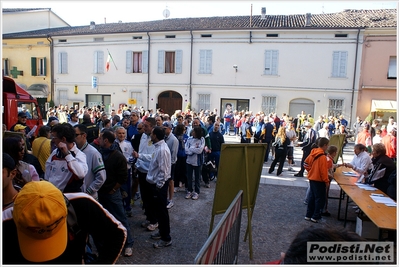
(278, 216)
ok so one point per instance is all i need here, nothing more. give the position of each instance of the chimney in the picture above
(92, 25)
(263, 13)
(308, 18)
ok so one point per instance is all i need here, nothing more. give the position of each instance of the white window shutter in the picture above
(63, 62)
(179, 61)
(144, 61)
(342, 65)
(161, 61)
(274, 64)
(95, 69)
(268, 62)
(101, 63)
(208, 66)
(202, 61)
(335, 64)
(129, 61)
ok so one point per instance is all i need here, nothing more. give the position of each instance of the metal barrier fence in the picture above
(221, 247)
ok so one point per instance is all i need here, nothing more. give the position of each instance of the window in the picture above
(38, 66)
(137, 62)
(204, 101)
(269, 104)
(62, 40)
(137, 37)
(98, 62)
(339, 35)
(101, 39)
(205, 62)
(335, 107)
(272, 35)
(170, 36)
(170, 61)
(339, 64)
(62, 63)
(136, 97)
(206, 35)
(30, 108)
(271, 62)
(63, 96)
(392, 68)
(6, 67)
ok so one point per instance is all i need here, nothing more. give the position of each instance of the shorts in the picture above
(290, 152)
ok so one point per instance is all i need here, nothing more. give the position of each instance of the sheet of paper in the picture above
(366, 187)
(354, 174)
(384, 200)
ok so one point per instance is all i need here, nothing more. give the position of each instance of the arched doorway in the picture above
(169, 101)
(301, 104)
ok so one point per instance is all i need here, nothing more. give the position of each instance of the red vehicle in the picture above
(16, 99)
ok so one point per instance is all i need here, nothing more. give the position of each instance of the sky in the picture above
(79, 13)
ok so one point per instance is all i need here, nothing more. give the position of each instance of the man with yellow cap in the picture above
(40, 227)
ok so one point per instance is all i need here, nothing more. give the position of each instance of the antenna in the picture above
(166, 12)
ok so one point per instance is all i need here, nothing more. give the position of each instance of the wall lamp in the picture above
(235, 67)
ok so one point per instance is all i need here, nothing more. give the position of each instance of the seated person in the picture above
(361, 161)
(383, 166)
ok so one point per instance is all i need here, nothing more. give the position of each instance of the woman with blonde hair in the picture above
(280, 146)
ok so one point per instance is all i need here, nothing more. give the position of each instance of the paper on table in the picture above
(384, 200)
(390, 204)
(350, 173)
(366, 187)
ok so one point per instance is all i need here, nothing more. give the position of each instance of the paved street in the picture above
(278, 216)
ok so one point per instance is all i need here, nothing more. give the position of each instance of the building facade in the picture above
(288, 64)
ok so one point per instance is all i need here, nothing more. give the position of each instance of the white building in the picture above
(276, 64)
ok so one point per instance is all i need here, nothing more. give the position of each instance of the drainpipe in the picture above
(148, 73)
(191, 69)
(354, 76)
(50, 40)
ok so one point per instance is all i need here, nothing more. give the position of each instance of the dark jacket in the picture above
(379, 163)
(116, 168)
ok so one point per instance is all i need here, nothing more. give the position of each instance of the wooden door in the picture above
(169, 102)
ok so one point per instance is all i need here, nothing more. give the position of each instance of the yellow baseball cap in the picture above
(19, 127)
(40, 214)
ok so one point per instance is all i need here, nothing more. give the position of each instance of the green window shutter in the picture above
(45, 66)
(33, 66)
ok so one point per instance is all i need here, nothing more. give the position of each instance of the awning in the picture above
(383, 106)
(38, 90)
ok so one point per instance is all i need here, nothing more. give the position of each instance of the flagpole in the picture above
(112, 59)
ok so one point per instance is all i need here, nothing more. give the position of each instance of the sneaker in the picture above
(129, 213)
(195, 196)
(128, 252)
(136, 196)
(307, 218)
(305, 202)
(189, 195)
(176, 190)
(290, 169)
(145, 224)
(170, 204)
(152, 227)
(161, 244)
(314, 220)
(156, 236)
(298, 175)
(207, 185)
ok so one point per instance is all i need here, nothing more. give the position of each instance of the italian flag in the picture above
(108, 60)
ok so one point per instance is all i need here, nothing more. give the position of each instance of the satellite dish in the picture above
(166, 13)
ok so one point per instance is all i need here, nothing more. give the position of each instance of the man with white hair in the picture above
(323, 132)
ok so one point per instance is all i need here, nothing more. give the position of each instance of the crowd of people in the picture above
(130, 154)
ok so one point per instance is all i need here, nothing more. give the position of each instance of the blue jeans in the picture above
(127, 187)
(317, 199)
(197, 173)
(227, 127)
(113, 203)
